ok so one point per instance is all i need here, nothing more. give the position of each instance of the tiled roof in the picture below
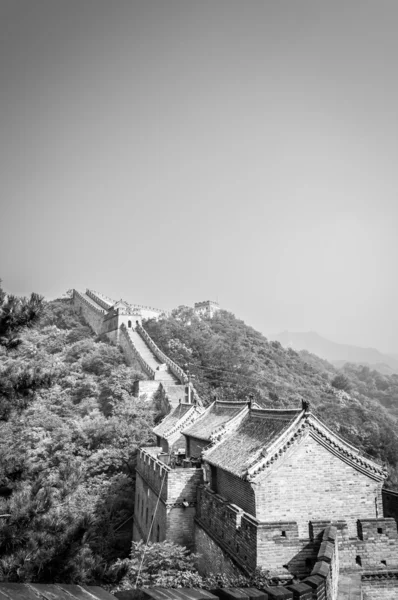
(171, 420)
(217, 415)
(244, 446)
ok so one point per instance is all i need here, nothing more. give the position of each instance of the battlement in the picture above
(374, 529)
(129, 348)
(91, 303)
(249, 542)
(175, 485)
(206, 307)
(174, 368)
(100, 299)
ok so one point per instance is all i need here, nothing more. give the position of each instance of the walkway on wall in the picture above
(149, 357)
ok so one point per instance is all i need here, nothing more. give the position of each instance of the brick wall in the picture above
(278, 546)
(236, 490)
(212, 559)
(380, 586)
(177, 505)
(195, 446)
(312, 483)
(375, 548)
(250, 543)
(180, 525)
(93, 317)
(147, 508)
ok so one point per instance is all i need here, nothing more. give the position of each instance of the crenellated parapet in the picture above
(128, 346)
(100, 299)
(91, 303)
(174, 368)
(174, 485)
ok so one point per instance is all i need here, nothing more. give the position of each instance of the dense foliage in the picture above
(70, 427)
(69, 430)
(168, 565)
(231, 360)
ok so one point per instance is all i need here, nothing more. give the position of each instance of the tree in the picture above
(341, 382)
(158, 564)
(17, 314)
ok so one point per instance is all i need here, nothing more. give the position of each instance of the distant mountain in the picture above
(338, 354)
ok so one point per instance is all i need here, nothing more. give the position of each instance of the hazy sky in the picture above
(174, 151)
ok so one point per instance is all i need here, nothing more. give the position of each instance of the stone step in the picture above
(149, 357)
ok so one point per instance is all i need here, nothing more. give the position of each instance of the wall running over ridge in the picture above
(93, 315)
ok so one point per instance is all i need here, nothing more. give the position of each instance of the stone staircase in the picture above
(161, 371)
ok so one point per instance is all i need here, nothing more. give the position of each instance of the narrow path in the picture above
(149, 356)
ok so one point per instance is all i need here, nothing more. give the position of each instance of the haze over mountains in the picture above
(336, 353)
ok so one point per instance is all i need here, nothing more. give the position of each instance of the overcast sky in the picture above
(175, 151)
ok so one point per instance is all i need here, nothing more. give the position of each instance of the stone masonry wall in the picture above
(380, 586)
(248, 542)
(147, 507)
(195, 446)
(223, 522)
(180, 525)
(236, 490)
(177, 504)
(212, 559)
(375, 547)
(131, 356)
(92, 316)
(309, 483)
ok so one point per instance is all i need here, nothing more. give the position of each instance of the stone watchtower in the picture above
(206, 308)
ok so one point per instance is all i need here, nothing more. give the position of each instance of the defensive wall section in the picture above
(161, 356)
(175, 487)
(228, 538)
(246, 541)
(132, 354)
(312, 480)
(116, 322)
(92, 314)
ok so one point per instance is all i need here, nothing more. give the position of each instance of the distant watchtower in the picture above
(206, 308)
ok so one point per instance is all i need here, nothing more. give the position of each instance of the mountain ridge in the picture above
(335, 352)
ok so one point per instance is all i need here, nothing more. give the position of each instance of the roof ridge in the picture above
(325, 437)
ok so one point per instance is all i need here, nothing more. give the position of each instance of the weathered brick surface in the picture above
(380, 586)
(173, 518)
(301, 591)
(251, 543)
(311, 483)
(146, 507)
(195, 446)
(92, 316)
(375, 548)
(236, 490)
(211, 559)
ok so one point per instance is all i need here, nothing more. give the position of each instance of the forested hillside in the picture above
(231, 360)
(69, 431)
(70, 427)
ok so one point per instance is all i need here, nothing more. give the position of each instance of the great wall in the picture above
(247, 487)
